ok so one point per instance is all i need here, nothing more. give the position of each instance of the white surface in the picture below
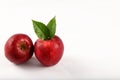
(90, 30)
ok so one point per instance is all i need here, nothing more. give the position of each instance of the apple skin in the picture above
(18, 48)
(49, 52)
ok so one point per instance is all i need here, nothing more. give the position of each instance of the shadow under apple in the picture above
(33, 63)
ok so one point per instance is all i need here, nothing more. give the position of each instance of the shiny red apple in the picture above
(18, 48)
(49, 52)
(48, 47)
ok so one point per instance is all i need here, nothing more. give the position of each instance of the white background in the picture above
(90, 30)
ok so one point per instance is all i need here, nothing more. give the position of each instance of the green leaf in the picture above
(41, 30)
(52, 27)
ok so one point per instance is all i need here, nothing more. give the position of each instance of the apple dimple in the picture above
(23, 46)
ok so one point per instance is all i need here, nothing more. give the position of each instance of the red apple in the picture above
(49, 52)
(49, 47)
(18, 48)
